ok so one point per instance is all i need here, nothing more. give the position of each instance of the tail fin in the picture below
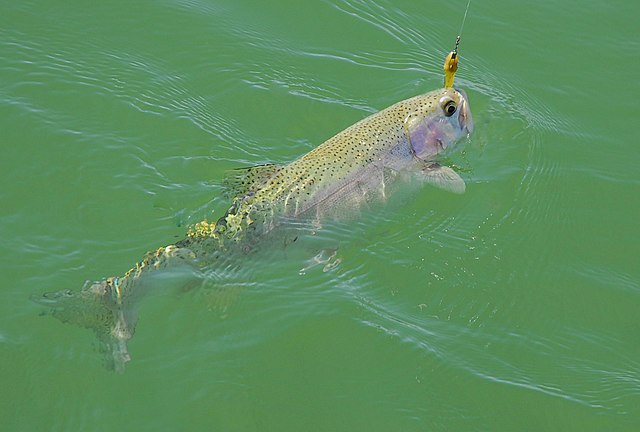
(97, 306)
(108, 307)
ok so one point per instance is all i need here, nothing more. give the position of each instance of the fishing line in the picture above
(451, 61)
(462, 26)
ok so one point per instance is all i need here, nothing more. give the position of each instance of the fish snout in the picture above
(464, 117)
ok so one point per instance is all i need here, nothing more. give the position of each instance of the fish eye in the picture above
(449, 108)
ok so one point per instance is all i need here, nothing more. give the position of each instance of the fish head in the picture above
(438, 120)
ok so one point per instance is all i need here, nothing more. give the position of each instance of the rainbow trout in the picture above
(354, 168)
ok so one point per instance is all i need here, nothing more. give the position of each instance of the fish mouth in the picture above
(465, 119)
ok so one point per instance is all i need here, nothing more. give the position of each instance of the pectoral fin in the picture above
(443, 177)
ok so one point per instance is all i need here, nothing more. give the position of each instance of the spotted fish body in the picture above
(354, 167)
(346, 172)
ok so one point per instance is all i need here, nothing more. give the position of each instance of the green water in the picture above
(512, 307)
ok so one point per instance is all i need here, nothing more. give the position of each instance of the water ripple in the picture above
(141, 82)
(542, 364)
(384, 16)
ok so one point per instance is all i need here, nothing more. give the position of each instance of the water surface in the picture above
(511, 307)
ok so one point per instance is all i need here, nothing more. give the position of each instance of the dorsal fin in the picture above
(240, 181)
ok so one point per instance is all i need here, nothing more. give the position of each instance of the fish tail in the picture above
(95, 307)
(108, 307)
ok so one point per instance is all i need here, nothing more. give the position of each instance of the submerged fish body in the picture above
(348, 171)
